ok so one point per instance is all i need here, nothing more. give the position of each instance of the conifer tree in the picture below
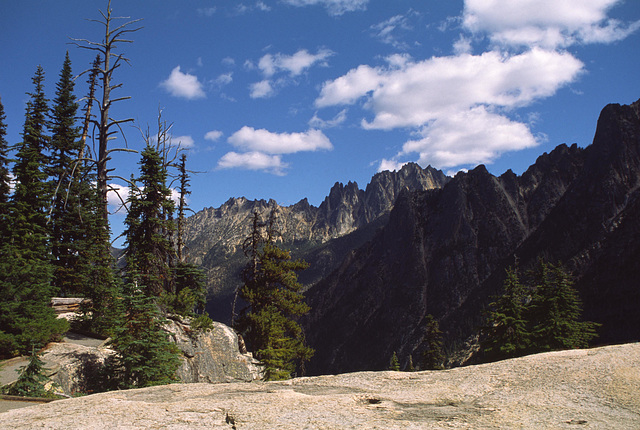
(556, 311)
(32, 380)
(275, 300)
(149, 226)
(25, 267)
(144, 355)
(67, 211)
(507, 334)
(432, 356)
(394, 363)
(5, 179)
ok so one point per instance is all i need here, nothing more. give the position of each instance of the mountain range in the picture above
(416, 242)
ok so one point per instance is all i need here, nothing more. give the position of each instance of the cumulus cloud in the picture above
(334, 7)
(186, 142)
(318, 122)
(213, 135)
(263, 150)
(261, 89)
(183, 85)
(457, 103)
(293, 64)
(250, 139)
(547, 23)
(253, 161)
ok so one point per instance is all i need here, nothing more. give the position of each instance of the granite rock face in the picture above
(597, 388)
(444, 252)
(211, 356)
(214, 236)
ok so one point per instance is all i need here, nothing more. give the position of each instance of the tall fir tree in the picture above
(149, 226)
(144, 355)
(5, 178)
(432, 354)
(67, 211)
(275, 301)
(506, 331)
(25, 269)
(556, 311)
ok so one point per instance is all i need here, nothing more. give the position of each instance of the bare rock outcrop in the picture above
(596, 388)
(212, 356)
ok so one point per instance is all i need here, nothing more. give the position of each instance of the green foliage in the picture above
(275, 300)
(144, 355)
(190, 291)
(507, 332)
(556, 310)
(433, 355)
(149, 226)
(5, 179)
(25, 267)
(32, 380)
(394, 364)
(202, 323)
(541, 316)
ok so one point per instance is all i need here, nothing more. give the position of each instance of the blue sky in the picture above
(282, 98)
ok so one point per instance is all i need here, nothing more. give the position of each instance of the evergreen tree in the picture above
(432, 356)
(67, 211)
(101, 285)
(556, 311)
(5, 179)
(149, 226)
(507, 334)
(394, 364)
(31, 382)
(274, 296)
(25, 267)
(144, 355)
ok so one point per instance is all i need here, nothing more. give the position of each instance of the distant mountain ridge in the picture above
(214, 236)
(444, 251)
(416, 242)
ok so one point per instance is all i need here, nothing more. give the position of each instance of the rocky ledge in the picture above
(595, 388)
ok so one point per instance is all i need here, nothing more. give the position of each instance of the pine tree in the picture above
(25, 267)
(507, 334)
(5, 179)
(67, 211)
(149, 226)
(275, 300)
(394, 363)
(32, 380)
(556, 311)
(144, 355)
(432, 356)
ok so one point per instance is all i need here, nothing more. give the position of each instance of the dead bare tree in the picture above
(110, 61)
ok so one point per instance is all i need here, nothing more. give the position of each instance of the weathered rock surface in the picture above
(214, 236)
(444, 252)
(597, 388)
(211, 356)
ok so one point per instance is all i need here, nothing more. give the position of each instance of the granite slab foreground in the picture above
(579, 389)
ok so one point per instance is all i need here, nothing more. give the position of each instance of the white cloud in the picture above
(224, 79)
(116, 196)
(423, 91)
(546, 23)
(261, 89)
(334, 7)
(390, 165)
(387, 31)
(458, 103)
(184, 85)
(250, 139)
(253, 161)
(183, 141)
(471, 136)
(318, 122)
(293, 64)
(213, 135)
